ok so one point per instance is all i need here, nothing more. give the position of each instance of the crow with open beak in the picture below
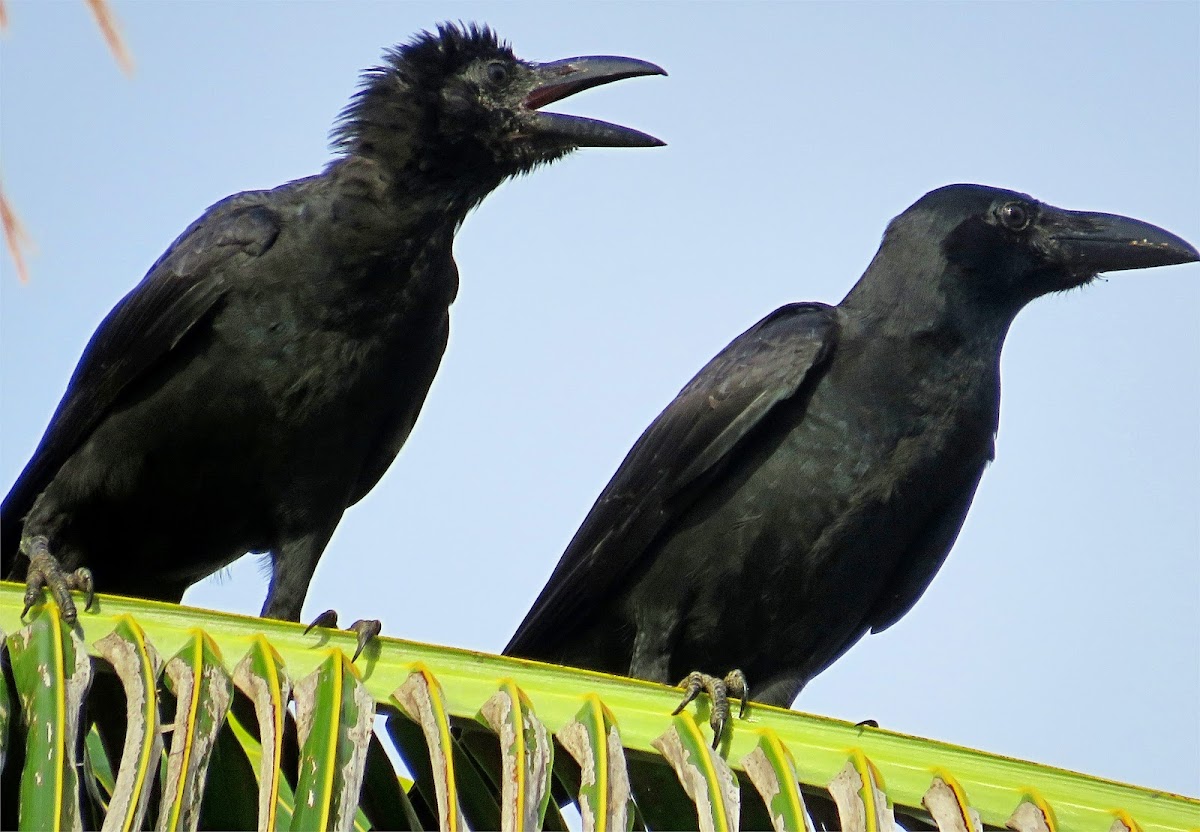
(264, 374)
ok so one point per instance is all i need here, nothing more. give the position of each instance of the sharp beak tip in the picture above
(1174, 251)
(628, 137)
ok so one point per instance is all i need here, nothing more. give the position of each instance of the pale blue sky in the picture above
(1065, 627)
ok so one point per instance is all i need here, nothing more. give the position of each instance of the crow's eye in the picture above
(1014, 216)
(497, 72)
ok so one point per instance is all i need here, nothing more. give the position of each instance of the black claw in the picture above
(81, 579)
(867, 723)
(719, 691)
(367, 629)
(33, 591)
(720, 716)
(693, 684)
(737, 686)
(45, 572)
(325, 619)
(720, 708)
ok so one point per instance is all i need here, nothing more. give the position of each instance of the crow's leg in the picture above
(658, 632)
(45, 572)
(652, 645)
(718, 691)
(292, 568)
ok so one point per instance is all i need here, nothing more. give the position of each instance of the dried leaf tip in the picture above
(107, 22)
(15, 236)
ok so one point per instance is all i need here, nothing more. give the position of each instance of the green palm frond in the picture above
(251, 724)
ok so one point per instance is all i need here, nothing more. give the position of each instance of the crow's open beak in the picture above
(559, 79)
(1087, 243)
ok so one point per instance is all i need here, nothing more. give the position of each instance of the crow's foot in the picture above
(719, 691)
(365, 628)
(46, 572)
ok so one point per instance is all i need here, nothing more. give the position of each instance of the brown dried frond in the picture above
(14, 236)
(112, 36)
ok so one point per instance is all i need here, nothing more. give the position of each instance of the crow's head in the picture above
(1011, 244)
(458, 104)
(991, 251)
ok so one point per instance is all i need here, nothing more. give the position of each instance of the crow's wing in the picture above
(181, 288)
(688, 442)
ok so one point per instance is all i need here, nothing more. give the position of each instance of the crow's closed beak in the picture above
(1086, 242)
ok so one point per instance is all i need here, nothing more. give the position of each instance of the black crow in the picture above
(804, 488)
(266, 371)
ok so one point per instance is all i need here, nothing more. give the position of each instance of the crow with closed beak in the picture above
(266, 371)
(804, 488)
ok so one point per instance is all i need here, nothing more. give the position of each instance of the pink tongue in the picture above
(544, 95)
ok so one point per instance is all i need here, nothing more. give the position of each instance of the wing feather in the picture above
(688, 442)
(180, 289)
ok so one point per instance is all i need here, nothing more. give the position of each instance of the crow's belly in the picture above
(777, 566)
(183, 482)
